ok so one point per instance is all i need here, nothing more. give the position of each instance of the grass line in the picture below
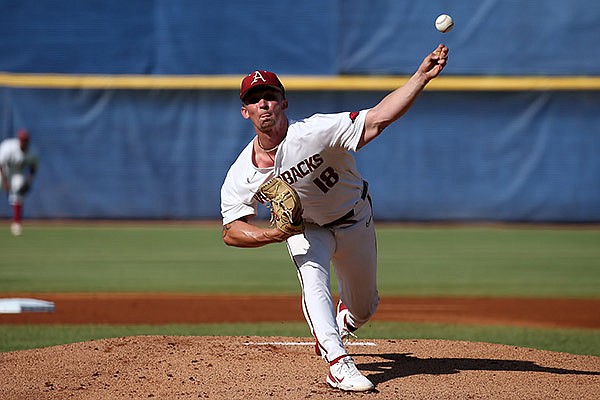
(574, 341)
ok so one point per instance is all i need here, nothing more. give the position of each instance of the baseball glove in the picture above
(286, 209)
(24, 189)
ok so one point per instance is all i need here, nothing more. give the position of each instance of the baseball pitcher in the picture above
(306, 173)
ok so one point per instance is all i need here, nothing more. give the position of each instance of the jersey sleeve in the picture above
(342, 130)
(3, 153)
(240, 186)
(235, 205)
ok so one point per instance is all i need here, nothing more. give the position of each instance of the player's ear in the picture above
(284, 104)
(244, 112)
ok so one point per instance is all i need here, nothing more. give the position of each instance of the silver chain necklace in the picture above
(263, 149)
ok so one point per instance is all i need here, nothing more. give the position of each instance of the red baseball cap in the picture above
(23, 134)
(260, 78)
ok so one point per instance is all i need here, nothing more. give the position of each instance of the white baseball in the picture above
(444, 23)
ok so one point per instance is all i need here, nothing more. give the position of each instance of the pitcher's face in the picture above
(265, 107)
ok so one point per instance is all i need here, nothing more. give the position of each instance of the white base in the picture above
(17, 306)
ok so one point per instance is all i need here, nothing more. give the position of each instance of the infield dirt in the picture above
(177, 367)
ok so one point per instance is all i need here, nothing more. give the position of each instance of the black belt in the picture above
(345, 219)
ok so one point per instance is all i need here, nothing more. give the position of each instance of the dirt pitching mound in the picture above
(182, 367)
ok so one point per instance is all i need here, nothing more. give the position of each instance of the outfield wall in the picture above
(455, 156)
(167, 37)
(133, 105)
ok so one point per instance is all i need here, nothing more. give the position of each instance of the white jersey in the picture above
(13, 160)
(314, 158)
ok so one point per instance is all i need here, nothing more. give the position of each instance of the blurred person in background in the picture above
(17, 171)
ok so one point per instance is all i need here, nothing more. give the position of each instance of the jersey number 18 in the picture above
(327, 179)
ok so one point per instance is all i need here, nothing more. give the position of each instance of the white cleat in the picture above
(16, 229)
(345, 376)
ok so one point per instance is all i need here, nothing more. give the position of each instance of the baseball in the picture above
(444, 23)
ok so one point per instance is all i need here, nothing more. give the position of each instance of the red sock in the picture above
(17, 213)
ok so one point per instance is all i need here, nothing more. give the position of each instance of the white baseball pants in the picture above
(352, 249)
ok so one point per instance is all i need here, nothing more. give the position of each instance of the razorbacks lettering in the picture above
(302, 169)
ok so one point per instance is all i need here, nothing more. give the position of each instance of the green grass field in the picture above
(500, 261)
